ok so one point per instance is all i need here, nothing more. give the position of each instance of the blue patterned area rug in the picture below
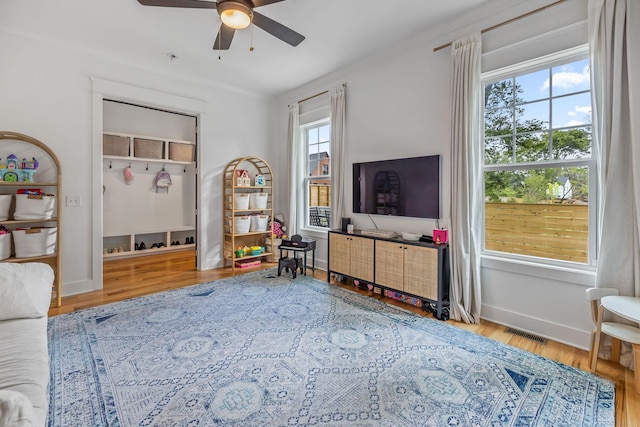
(260, 350)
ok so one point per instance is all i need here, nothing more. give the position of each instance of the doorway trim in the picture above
(106, 89)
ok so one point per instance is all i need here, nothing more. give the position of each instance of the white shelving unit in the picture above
(157, 219)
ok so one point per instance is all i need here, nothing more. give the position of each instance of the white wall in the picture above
(45, 92)
(398, 106)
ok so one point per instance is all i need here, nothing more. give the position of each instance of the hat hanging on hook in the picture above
(128, 174)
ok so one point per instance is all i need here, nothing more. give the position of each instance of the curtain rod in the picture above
(509, 21)
(313, 96)
(318, 94)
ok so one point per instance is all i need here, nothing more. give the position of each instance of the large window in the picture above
(539, 172)
(316, 142)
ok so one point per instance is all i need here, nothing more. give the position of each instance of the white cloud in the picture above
(576, 123)
(583, 110)
(572, 113)
(567, 79)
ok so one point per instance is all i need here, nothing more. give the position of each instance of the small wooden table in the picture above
(303, 246)
(629, 308)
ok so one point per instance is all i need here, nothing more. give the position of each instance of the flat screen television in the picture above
(398, 187)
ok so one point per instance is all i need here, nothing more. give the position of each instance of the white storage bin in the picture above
(242, 224)
(258, 200)
(259, 222)
(29, 206)
(241, 201)
(5, 246)
(35, 241)
(5, 204)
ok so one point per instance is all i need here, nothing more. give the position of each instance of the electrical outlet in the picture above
(73, 201)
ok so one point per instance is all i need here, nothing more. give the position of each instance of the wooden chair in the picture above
(617, 331)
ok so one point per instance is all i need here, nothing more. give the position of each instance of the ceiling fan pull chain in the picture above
(251, 38)
(219, 42)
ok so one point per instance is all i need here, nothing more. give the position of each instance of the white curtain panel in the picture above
(338, 107)
(295, 164)
(614, 45)
(466, 179)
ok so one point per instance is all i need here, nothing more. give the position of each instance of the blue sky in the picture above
(568, 110)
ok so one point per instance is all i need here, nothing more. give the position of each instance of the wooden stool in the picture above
(289, 264)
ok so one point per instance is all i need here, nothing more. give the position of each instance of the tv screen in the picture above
(400, 187)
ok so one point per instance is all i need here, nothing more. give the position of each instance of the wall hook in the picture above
(109, 164)
(147, 166)
(185, 169)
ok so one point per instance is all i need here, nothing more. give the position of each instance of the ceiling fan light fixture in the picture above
(235, 14)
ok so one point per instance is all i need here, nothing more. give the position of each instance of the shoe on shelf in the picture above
(155, 245)
(142, 246)
(161, 245)
(137, 248)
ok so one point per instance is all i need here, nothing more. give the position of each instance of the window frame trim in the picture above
(303, 217)
(530, 66)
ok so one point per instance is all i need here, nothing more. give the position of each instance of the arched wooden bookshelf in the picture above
(48, 176)
(234, 213)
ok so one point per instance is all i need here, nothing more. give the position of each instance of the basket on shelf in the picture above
(241, 201)
(5, 204)
(259, 222)
(32, 242)
(34, 206)
(242, 224)
(258, 200)
(5, 245)
(115, 145)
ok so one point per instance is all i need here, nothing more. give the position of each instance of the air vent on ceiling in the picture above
(526, 335)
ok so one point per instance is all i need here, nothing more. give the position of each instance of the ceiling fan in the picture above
(235, 14)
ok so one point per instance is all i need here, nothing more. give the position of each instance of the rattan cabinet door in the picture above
(362, 258)
(389, 264)
(421, 271)
(340, 253)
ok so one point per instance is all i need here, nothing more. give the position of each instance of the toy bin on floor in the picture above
(33, 242)
(5, 204)
(5, 245)
(34, 206)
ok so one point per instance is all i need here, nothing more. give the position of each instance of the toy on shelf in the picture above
(13, 171)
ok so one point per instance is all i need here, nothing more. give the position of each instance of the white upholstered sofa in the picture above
(25, 295)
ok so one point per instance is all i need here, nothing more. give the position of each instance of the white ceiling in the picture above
(338, 32)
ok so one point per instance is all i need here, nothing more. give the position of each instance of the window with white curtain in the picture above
(316, 141)
(539, 169)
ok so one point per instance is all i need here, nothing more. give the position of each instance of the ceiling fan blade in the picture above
(258, 3)
(194, 4)
(223, 40)
(276, 29)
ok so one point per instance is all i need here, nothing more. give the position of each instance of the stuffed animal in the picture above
(278, 228)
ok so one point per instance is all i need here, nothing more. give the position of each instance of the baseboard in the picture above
(553, 331)
(81, 287)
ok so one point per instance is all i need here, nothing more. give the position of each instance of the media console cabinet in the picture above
(413, 268)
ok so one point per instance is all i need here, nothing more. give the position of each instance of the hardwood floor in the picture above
(129, 278)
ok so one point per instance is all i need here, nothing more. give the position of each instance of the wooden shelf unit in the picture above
(231, 213)
(54, 260)
(416, 269)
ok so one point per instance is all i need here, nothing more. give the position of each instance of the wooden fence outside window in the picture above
(557, 231)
